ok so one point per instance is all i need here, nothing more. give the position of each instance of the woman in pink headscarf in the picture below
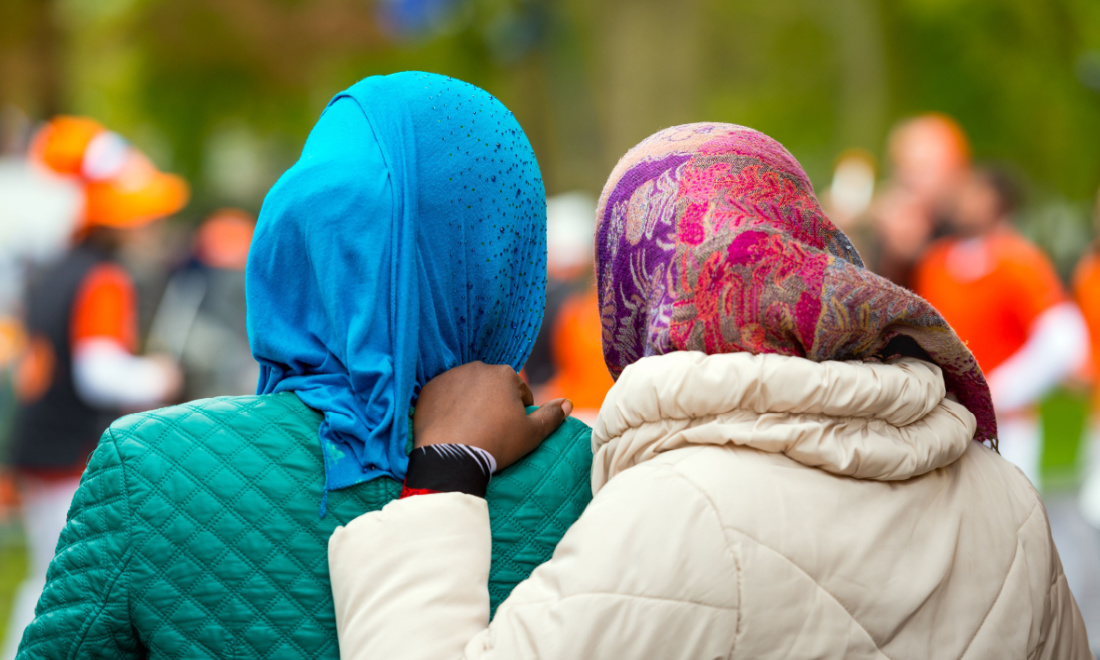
(797, 459)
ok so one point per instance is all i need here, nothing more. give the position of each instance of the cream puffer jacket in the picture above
(746, 507)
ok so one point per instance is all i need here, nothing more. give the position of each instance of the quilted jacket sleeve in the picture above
(409, 580)
(83, 611)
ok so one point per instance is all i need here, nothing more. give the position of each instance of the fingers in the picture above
(525, 394)
(524, 390)
(549, 417)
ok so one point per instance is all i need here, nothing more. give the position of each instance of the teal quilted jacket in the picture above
(195, 534)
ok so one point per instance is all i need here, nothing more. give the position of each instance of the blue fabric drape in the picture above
(409, 238)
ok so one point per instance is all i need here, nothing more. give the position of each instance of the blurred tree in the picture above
(1007, 70)
(225, 90)
(31, 56)
(648, 63)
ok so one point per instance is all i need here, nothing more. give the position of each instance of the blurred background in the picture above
(903, 112)
(224, 92)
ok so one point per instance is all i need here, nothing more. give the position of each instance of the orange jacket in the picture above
(990, 290)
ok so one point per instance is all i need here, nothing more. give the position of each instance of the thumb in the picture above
(549, 417)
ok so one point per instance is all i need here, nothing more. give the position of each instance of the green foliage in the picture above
(13, 568)
(1064, 417)
(1008, 71)
(593, 78)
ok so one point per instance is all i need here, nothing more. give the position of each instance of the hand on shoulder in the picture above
(484, 406)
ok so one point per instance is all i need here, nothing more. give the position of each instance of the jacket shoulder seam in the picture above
(633, 596)
(124, 565)
(1038, 506)
(129, 523)
(86, 628)
(734, 559)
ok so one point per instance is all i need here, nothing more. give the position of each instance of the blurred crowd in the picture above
(108, 305)
(105, 309)
(944, 226)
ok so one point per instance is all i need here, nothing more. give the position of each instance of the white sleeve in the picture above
(645, 572)
(427, 593)
(1057, 344)
(105, 374)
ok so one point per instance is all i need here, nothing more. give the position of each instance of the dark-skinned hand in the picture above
(483, 406)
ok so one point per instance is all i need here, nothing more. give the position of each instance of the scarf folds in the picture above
(409, 238)
(710, 239)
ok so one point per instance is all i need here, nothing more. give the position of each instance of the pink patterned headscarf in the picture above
(710, 239)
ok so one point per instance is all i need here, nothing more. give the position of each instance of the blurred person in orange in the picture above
(930, 157)
(1003, 297)
(38, 210)
(1086, 291)
(201, 316)
(567, 360)
(79, 370)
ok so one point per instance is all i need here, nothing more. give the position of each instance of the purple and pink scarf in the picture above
(710, 238)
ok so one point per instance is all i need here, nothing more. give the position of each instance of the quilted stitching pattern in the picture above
(195, 533)
(533, 503)
(92, 557)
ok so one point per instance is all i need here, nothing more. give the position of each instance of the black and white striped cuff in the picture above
(449, 469)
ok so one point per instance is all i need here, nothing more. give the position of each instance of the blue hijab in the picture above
(409, 238)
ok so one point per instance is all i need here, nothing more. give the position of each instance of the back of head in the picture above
(409, 238)
(710, 239)
(929, 153)
(223, 239)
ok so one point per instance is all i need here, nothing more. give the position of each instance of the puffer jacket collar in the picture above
(881, 421)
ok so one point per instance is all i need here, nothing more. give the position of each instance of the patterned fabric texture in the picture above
(710, 238)
(195, 534)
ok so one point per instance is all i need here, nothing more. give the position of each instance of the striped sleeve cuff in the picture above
(448, 468)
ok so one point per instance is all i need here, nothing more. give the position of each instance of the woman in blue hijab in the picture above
(375, 269)
(409, 238)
